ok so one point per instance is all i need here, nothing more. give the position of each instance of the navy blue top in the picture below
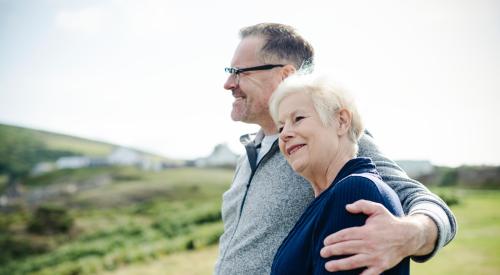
(300, 251)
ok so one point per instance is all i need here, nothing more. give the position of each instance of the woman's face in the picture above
(307, 144)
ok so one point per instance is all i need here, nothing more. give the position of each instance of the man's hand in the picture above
(382, 242)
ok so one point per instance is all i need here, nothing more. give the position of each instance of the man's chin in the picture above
(237, 116)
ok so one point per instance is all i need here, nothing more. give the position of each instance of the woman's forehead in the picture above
(293, 104)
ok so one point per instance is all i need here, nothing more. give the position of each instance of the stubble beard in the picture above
(239, 111)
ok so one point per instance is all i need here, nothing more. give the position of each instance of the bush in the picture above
(14, 248)
(450, 178)
(450, 198)
(50, 219)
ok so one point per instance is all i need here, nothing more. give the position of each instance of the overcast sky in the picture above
(149, 74)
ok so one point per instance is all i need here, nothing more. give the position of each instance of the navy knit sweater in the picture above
(300, 251)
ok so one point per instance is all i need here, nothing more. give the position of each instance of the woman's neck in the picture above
(323, 178)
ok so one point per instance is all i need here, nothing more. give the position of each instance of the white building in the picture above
(124, 156)
(72, 162)
(221, 156)
(42, 168)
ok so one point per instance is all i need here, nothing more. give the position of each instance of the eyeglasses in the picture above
(237, 71)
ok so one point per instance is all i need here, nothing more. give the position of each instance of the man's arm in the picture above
(428, 226)
(414, 196)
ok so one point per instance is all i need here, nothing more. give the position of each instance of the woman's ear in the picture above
(287, 71)
(344, 118)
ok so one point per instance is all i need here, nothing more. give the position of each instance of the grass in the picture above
(476, 247)
(474, 250)
(137, 217)
(196, 262)
(74, 144)
(169, 222)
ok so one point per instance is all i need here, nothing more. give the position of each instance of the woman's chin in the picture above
(298, 167)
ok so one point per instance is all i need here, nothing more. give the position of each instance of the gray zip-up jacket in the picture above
(265, 201)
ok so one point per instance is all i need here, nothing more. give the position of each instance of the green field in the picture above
(137, 217)
(169, 223)
(475, 249)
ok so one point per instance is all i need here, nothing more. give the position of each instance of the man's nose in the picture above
(231, 82)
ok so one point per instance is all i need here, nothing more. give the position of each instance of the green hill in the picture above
(56, 142)
(60, 142)
(22, 148)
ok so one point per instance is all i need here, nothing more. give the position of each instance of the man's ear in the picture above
(287, 71)
(344, 118)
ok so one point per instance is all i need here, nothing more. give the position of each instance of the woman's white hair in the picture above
(327, 99)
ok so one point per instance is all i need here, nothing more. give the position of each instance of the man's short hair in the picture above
(282, 44)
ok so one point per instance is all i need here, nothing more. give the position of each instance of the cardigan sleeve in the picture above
(335, 217)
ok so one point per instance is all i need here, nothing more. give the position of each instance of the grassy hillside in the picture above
(474, 250)
(59, 142)
(152, 223)
(22, 148)
(137, 217)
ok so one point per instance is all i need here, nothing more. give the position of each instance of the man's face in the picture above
(254, 88)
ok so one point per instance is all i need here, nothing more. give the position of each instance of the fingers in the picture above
(343, 248)
(348, 263)
(351, 233)
(366, 207)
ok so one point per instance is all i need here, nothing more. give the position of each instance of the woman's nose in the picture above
(286, 133)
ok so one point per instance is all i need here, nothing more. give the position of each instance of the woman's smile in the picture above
(294, 148)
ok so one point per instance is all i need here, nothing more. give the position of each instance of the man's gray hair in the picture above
(327, 99)
(282, 44)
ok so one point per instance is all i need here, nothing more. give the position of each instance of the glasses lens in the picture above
(231, 70)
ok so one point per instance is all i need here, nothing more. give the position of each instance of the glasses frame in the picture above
(237, 71)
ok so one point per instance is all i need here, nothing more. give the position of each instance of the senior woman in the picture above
(319, 128)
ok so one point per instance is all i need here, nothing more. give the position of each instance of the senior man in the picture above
(267, 197)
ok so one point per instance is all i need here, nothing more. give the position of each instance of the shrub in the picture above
(14, 248)
(450, 178)
(450, 198)
(49, 219)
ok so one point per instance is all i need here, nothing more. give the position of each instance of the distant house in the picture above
(98, 161)
(124, 156)
(72, 162)
(42, 168)
(119, 156)
(151, 165)
(416, 168)
(221, 156)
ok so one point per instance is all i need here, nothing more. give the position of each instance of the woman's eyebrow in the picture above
(287, 116)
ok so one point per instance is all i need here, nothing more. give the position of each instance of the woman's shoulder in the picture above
(366, 186)
(360, 180)
(353, 186)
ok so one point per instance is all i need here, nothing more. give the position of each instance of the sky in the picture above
(149, 74)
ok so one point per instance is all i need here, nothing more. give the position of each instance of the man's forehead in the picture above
(247, 52)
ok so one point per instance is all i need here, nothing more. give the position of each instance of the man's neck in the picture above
(269, 128)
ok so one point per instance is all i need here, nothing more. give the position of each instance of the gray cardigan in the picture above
(264, 202)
